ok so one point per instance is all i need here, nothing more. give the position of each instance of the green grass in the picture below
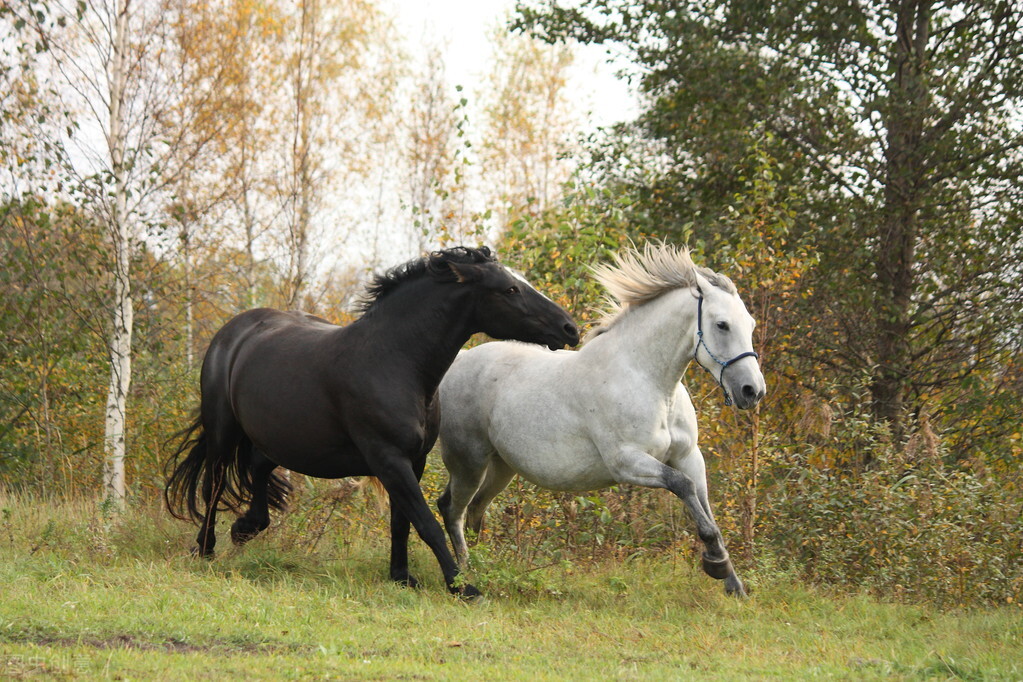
(86, 596)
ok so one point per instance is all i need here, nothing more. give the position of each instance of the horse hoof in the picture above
(244, 530)
(734, 587)
(407, 581)
(241, 538)
(469, 593)
(719, 569)
(200, 553)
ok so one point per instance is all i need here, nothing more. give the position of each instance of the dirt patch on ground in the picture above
(171, 645)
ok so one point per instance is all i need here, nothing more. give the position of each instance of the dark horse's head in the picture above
(504, 305)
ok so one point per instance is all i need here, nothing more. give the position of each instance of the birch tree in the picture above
(108, 93)
(334, 66)
(114, 66)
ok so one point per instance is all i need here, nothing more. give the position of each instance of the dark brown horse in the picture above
(289, 389)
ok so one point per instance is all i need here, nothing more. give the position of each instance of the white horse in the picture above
(612, 412)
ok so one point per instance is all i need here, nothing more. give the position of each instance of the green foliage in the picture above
(903, 154)
(910, 526)
(557, 247)
(50, 354)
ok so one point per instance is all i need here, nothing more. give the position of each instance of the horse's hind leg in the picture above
(221, 444)
(212, 489)
(452, 504)
(257, 516)
(471, 467)
(469, 491)
(498, 476)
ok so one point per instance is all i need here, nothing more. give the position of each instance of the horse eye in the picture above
(512, 290)
(723, 326)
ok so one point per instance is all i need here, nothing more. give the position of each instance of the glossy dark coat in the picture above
(292, 390)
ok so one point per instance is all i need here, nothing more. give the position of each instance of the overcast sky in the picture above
(461, 28)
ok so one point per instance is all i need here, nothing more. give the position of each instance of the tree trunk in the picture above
(301, 149)
(186, 246)
(121, 331)
(896, 243)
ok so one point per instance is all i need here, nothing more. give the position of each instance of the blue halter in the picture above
(725, 364)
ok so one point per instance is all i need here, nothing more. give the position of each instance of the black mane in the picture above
(434, 265)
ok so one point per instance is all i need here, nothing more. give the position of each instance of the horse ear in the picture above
(465, 272)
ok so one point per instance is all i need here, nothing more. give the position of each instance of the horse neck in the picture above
(658, 337)
(422, 324)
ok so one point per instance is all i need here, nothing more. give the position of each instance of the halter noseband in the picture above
(725, 364)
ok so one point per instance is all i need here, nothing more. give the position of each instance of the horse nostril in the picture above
(571, 330)
(749, 392)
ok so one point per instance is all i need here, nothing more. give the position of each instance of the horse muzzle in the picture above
(745, 386)
(568, 335)
(748, 397)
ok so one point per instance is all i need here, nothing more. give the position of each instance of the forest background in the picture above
(165, 164)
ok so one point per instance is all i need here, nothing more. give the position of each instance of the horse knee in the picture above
(444, 503)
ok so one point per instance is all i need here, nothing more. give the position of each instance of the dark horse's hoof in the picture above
(407, 581)
(201, 553)
(241, 538)
(243, 530)
(467, 592)
(719, 569)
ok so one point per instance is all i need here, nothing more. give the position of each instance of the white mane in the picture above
(636, 278)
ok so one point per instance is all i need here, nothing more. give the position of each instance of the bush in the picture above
(948, 537)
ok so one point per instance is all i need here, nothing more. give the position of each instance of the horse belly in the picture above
(309, 442)
(564, 462)
(334, 457)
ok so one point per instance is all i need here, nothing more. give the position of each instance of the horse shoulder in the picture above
(468, 390)
(625, 418)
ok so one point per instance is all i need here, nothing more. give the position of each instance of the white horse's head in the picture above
(724, 344)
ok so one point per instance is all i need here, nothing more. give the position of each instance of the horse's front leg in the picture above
(631, 465)
(693, 467)
(396, 473)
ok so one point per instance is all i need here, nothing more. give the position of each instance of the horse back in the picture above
(244, 332)
(513, 400)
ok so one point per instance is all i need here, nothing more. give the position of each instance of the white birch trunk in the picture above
(123, 313)
(186, 246)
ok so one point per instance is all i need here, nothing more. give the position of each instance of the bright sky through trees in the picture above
(462, 27)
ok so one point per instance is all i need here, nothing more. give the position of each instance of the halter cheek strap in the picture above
(725, 364)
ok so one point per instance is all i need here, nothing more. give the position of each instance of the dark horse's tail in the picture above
(187, 469)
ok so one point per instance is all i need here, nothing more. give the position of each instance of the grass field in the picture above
(90, 596)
